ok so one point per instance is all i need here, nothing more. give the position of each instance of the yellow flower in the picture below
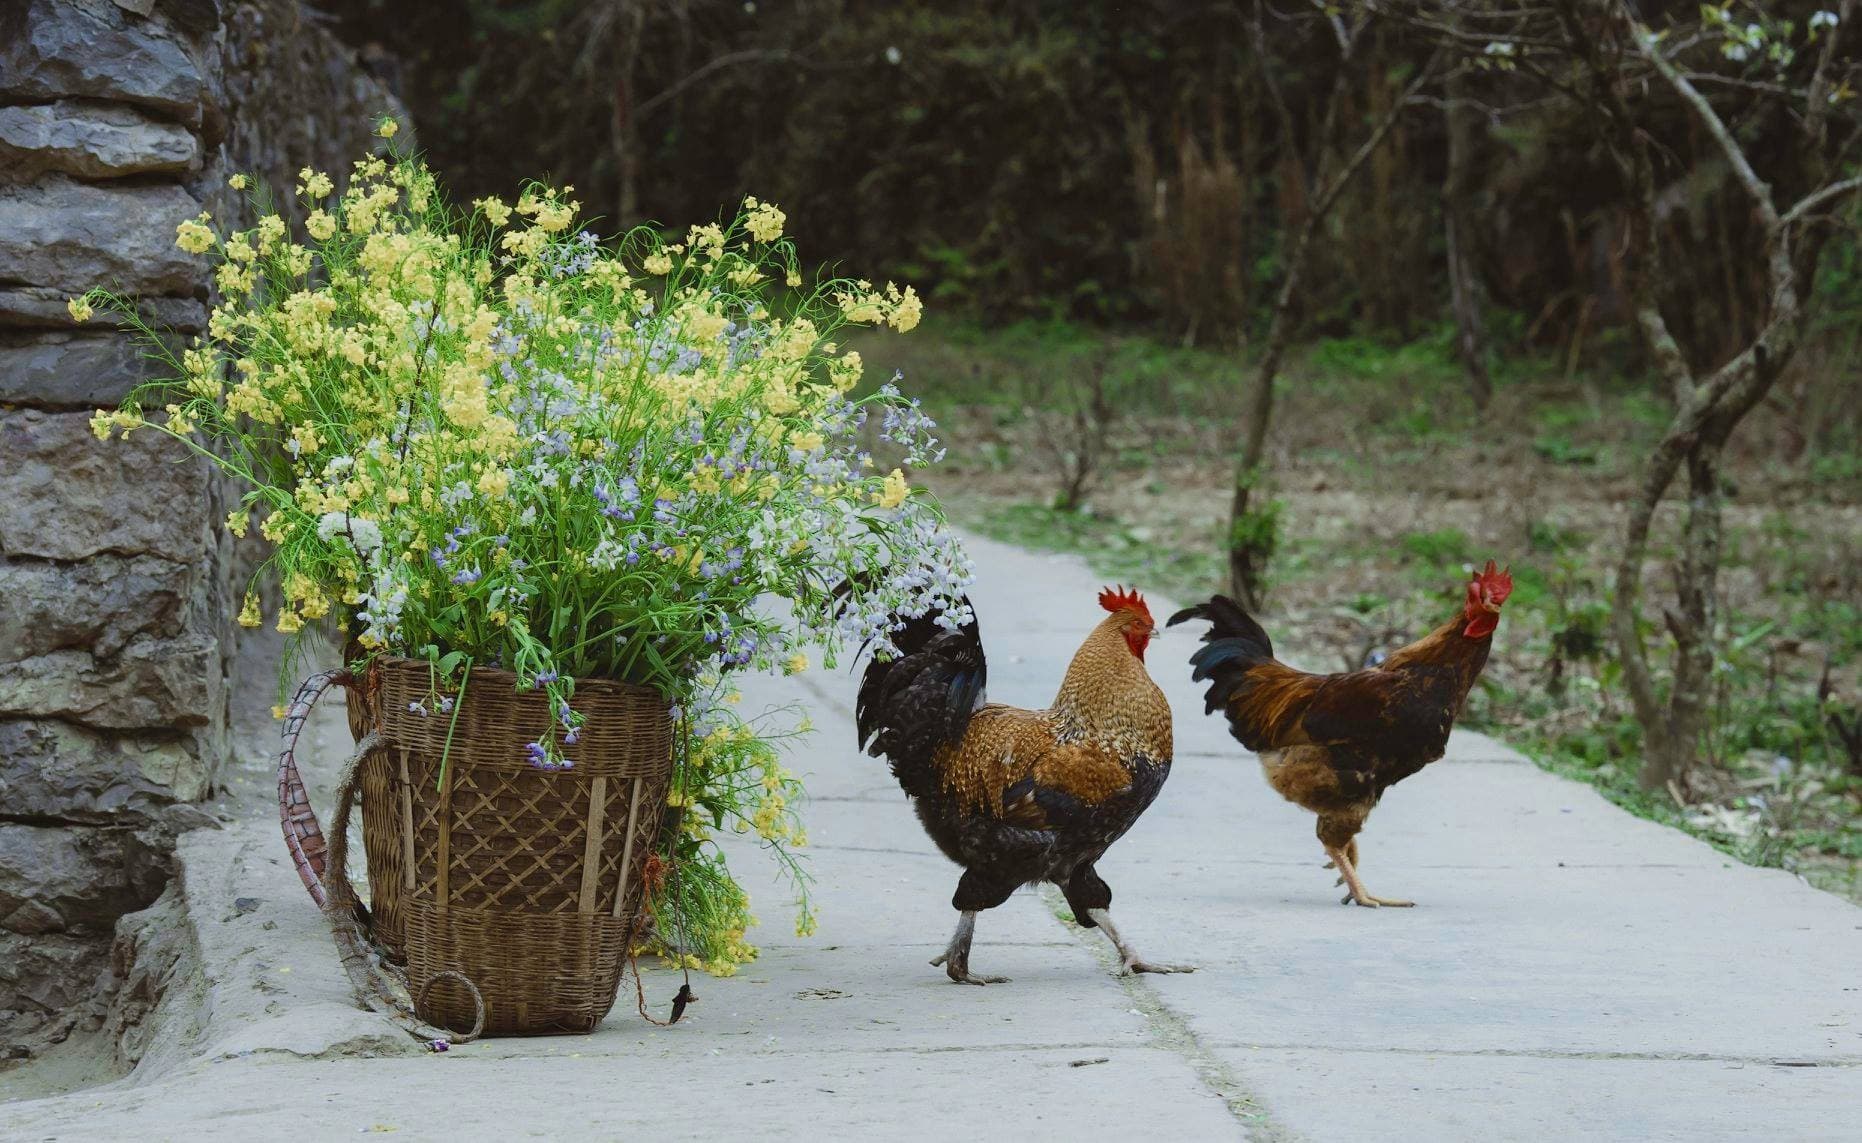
(238, 182)
(307, 440)
(657, 263)
(314, 184)
(765, 222)
(321, 226)
(105, 421)
(289, 623)
(845, 371)
(193, 236)
(236, 522)
(278, 712)
(495, 482)
(906, 308)
(387, 128)
(797, 663)
(494, 210)
(894, 492)
(556, 216)
(249, 614)
(80, 309)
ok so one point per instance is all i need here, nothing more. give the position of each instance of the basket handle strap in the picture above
(380, 987)
(303, 837)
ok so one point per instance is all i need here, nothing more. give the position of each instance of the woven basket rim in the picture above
(584, 684)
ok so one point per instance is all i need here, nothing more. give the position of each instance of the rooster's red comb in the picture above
(1123, 599)
(1495, 582)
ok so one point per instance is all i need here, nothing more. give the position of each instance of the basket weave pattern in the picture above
(523, 880)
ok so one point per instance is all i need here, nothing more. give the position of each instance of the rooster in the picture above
(1335, 743)
(1022, 796)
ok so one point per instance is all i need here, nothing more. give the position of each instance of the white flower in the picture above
(1500, 48)
(365, 535)
(1822, 20)
(1735, 51)
(894, 55)
(607, 556)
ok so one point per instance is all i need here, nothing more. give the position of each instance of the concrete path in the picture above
(1570, 972)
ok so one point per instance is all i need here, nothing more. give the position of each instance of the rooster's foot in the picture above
(955, 959)
(1129, 960)
(958, 969)
(1348, 876)
(1136, 965)
(1370, 902)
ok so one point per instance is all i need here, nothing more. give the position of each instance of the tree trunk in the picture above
(1250, 539)
(1672, 751)
(623, 119)
(1458, 224)
(1248, 548)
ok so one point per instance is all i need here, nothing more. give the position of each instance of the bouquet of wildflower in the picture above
(487, 438)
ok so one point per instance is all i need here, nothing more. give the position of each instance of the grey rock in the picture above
(48, 973)
(87, 877)
(91, 140)
(71, 371)
(32, 919)
(42, 307)
(57, 771)
(72, 236)
(58, 48)
(68, 495)
(97, 606)
(173, 682)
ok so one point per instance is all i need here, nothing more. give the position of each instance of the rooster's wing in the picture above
(1011, 766)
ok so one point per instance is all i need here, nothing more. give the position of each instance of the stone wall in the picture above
(119, 119)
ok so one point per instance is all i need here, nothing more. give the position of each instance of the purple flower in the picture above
(537, 755)
(467, 577)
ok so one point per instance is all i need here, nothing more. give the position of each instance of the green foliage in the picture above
(1441, 547)
(1258, 531)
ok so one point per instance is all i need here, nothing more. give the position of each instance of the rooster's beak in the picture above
(1491, 606)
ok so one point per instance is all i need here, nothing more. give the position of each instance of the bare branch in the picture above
(1817, 106)
(1811, 203)
(728, 59)
(1275, 97)
(1335, 185)
(1711, 121)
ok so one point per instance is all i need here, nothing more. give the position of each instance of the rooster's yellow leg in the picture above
(1348, 872)
(1351, 851)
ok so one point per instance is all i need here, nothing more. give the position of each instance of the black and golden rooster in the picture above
(1022, 796)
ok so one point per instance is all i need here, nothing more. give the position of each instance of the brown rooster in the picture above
(1335, 743)
(1022, 796)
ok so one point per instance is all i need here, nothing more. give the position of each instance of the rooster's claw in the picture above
(959, 971)
(1136, 966)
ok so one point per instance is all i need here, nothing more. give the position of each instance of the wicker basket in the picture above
(526, 882)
